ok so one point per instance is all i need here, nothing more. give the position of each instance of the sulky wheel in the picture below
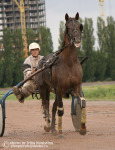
(2, 120)
(76, 114)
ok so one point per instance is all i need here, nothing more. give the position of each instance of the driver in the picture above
(29, 67)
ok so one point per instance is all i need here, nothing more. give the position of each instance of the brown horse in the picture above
(65, 76)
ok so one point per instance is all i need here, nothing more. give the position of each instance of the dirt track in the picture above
(24, 124)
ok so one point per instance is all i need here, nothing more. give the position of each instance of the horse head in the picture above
(73, 29)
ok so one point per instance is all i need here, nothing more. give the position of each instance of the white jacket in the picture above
(30, 64)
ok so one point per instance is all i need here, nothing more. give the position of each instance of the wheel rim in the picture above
(1, 119)
(76, 119)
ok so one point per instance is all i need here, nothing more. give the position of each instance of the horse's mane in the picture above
(63, 43)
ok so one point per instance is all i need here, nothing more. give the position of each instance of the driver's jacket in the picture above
(30, 64)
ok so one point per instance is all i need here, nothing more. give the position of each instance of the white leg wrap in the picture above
(83, 116)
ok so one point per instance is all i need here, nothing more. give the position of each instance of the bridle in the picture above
(75, 29)
(71, 40)
(50, 62)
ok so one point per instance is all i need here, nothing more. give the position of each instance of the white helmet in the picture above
(34, 46)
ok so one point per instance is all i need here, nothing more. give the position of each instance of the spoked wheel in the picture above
(76, 114)
(2, 120)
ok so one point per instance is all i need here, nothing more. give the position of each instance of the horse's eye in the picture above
(81, 27)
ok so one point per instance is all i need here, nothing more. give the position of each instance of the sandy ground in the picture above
(25, 123)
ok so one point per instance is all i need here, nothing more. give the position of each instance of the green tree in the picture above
(1, 69)
(18, 56)
(61, 33)
(8, 58)
(45, 40)
(101, 62)
(31, 36)
(110, 48)
(88, 42)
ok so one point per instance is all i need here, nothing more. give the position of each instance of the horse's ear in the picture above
(66, 17)
(77, 16)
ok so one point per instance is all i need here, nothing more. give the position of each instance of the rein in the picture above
(60, 50)
(48, 64)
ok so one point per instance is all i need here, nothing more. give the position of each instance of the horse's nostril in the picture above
(74, 39)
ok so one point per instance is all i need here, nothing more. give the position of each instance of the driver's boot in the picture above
(19, 94)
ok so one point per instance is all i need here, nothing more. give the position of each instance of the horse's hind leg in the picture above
(45, 93)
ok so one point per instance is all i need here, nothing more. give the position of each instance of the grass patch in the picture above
(95, 92)
(100, 92)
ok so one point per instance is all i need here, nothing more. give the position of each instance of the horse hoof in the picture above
(60, 135)
(82, 131)
(47, 129)
(54, 132)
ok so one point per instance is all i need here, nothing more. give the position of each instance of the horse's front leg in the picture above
(60, 110)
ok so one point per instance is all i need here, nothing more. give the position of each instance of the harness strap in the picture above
(48, 64)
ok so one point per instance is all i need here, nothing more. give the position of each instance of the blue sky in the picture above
(56, 10)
